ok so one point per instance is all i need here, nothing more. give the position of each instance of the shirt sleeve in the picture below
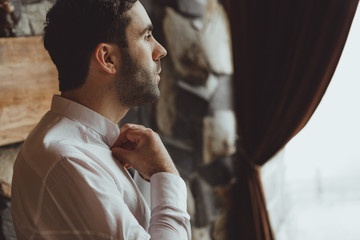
(82, 201)
(144, 187)
(169, 218)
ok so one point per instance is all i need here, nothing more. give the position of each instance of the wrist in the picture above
(169, 168)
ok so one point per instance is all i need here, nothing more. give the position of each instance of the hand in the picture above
(142, 149)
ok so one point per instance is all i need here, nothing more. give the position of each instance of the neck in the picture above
(98, 100)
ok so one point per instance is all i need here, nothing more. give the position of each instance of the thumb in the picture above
(134, 136)
(120, 153)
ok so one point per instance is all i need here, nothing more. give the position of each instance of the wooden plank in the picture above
(28, 79)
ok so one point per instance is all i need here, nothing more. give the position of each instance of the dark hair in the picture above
(74, 28)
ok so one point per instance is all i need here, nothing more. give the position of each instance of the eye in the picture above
(148, 36)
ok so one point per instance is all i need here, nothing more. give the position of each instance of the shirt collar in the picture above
(87, 117)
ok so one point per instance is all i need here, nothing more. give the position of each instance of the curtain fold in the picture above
(285, 53)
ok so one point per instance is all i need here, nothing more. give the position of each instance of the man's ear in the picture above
(107, 57)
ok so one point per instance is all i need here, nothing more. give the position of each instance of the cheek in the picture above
(142, 54)
(145, 50)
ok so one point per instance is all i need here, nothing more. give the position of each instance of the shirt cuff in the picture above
(168, 188)
(144, 187)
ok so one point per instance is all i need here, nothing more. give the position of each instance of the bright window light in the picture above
(323, 161)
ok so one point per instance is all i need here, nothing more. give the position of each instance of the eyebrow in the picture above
(148, 28)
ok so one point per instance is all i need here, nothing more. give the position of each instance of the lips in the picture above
(157, 78)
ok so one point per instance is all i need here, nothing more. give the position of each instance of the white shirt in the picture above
(67, 184)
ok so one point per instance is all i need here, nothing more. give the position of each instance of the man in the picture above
(70, 179)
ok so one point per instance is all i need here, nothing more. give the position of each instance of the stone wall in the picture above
(7, 158)
(31, 15)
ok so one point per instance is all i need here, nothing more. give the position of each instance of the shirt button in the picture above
(114, 133)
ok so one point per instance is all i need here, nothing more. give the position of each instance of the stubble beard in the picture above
(136, 85)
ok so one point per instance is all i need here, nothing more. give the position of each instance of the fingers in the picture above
(118, 153)
(127, 165)
(140, 135)
(122, 139)
(144, 177)
(129, 126)
(135, 135)
(142, 148)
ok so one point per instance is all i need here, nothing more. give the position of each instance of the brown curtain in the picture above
(285, 53)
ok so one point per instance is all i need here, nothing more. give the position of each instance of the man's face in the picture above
(138, 78)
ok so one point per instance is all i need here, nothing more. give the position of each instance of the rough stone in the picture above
(25, 2)
(165, 106)
(167, 3)
(215, 39)
(138, 115)
(198, 48)
(7, 231)
(218, 231)
(183, 155)
(32, 18)
(191, 110)
(185, 48)
(197, 23)
(7, 158)
(205, 91)
(202, 114)
(222, 99)
(206, 203)
(192, 8)
(17, 7)
(218, 173)
(219, 135)
(201, 233)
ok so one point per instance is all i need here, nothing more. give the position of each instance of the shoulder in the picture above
(53, 134)
(53, 139)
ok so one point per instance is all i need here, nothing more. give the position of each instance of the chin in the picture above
(150, 98)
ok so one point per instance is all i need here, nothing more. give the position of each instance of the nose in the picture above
(159, 51)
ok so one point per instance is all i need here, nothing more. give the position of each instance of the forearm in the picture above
(169, 218)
